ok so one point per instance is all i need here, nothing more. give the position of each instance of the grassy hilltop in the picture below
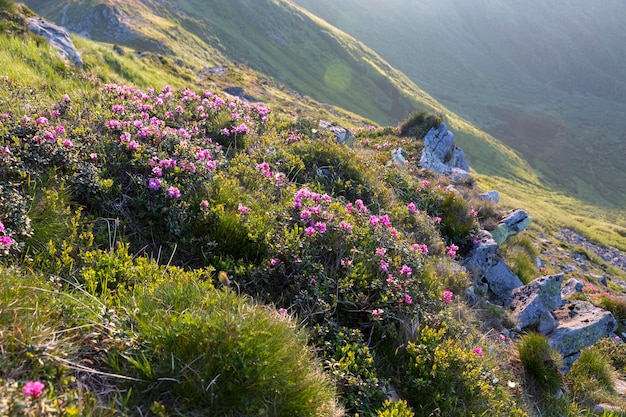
(169, 249)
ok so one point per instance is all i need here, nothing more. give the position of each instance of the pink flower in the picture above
(412, 208)
(426, 183)
(385, 220)
(437, 219)
(274, 262)
(447, 297)
(451, 250)
(321, 227)
(406, 271)
(93, 155)
(243, 210)
(408, 299)
(282, 311)
(345, 226)
(393, 232)
(173, 192)
(503, 337)
(474, 213)
(310, 231)
(374, 220)
(33, 389)
(154, 183)
(68, 143)
(42, 121)
(5, 241)
(133, 145)
(478, 351)
(1, 227)
(346, 262)
(381, 252)
(421, 248)
(384, 266)
(377, 312)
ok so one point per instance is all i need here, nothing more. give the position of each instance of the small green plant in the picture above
(395, 409)
(591, 378)
(418, 124)
(541, 363)
(520, 254)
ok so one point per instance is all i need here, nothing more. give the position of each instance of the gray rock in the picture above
(58, 37)
(512, 224)
(502, 281)
(568, 361)
(441, 155)
(571, 288)
(492, 196)
(482, 256)
(343, 135)
(398, 157)
(603, 280)
(547, 323)
(581, 324)
(607, 409)
(529, 301)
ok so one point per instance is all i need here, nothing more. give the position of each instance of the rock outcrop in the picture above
(442, 156)
(530, 301)
(58, 37)
(514, 222)
(343, 135)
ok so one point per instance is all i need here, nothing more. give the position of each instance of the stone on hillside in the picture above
(581, 324)
(235, 91)
(441, 155)
(492, 196)
(502, 281)
(343, 135)
(482, 256)
(571, 288)
(512, 224)
(58, 37)
(398, 157)
(529, 301)
(547, 323)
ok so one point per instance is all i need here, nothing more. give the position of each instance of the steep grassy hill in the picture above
(545, 77)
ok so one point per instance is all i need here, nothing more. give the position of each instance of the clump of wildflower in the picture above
(377, 312)
(412, 208)
(33, 389)
(407, 271)
(204, 204)
(154, 183)
(381, 252)
(345, 226)
(478, 351)
(243, 210)
(5, 241)
(408, 299)
(448, 296)
(282, 311)
(451, 250)
(68, 143)
(173, 192)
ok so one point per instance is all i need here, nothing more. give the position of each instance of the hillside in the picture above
(545, 77)
(167, 248)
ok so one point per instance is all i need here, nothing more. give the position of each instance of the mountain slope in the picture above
(547, 78)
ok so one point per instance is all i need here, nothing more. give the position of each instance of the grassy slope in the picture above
(245, 31)
(544, 77)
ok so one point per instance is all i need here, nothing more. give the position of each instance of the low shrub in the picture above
(419, 123)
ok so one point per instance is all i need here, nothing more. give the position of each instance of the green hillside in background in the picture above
(545, 77)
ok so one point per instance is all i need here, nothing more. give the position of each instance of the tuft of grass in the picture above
(520, 255)
(592, 378)
(541, 364)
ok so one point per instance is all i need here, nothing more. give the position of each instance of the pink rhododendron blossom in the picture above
(68, 143)
(1, 227)
(42, 121)
(384, 266)
(204, 204)
(426, 183)
(385, 220)
(377, 312)
(346, 262)
(374, 220)
(5, 241)
(173, 192)
(154, 183)
(412, 208)
(33, 389)
(310, 231)
(389, 279)
(478, 351)
(502, 337)
(407, 271)
(408, 299)
(381, 251)
(93, 155)
(274, 262)
(447, 297)
(282, 311)
(320, 227)
(451, 250)
(345, 226)
(394, 232)
(243, 210)
(133, 145)
(437, 219)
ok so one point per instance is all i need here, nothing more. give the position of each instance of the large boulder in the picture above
(530, 301)
(514, 222)
(442, 156)
(502, 281)
(581, 324)
(482, 256)
(58, 37)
